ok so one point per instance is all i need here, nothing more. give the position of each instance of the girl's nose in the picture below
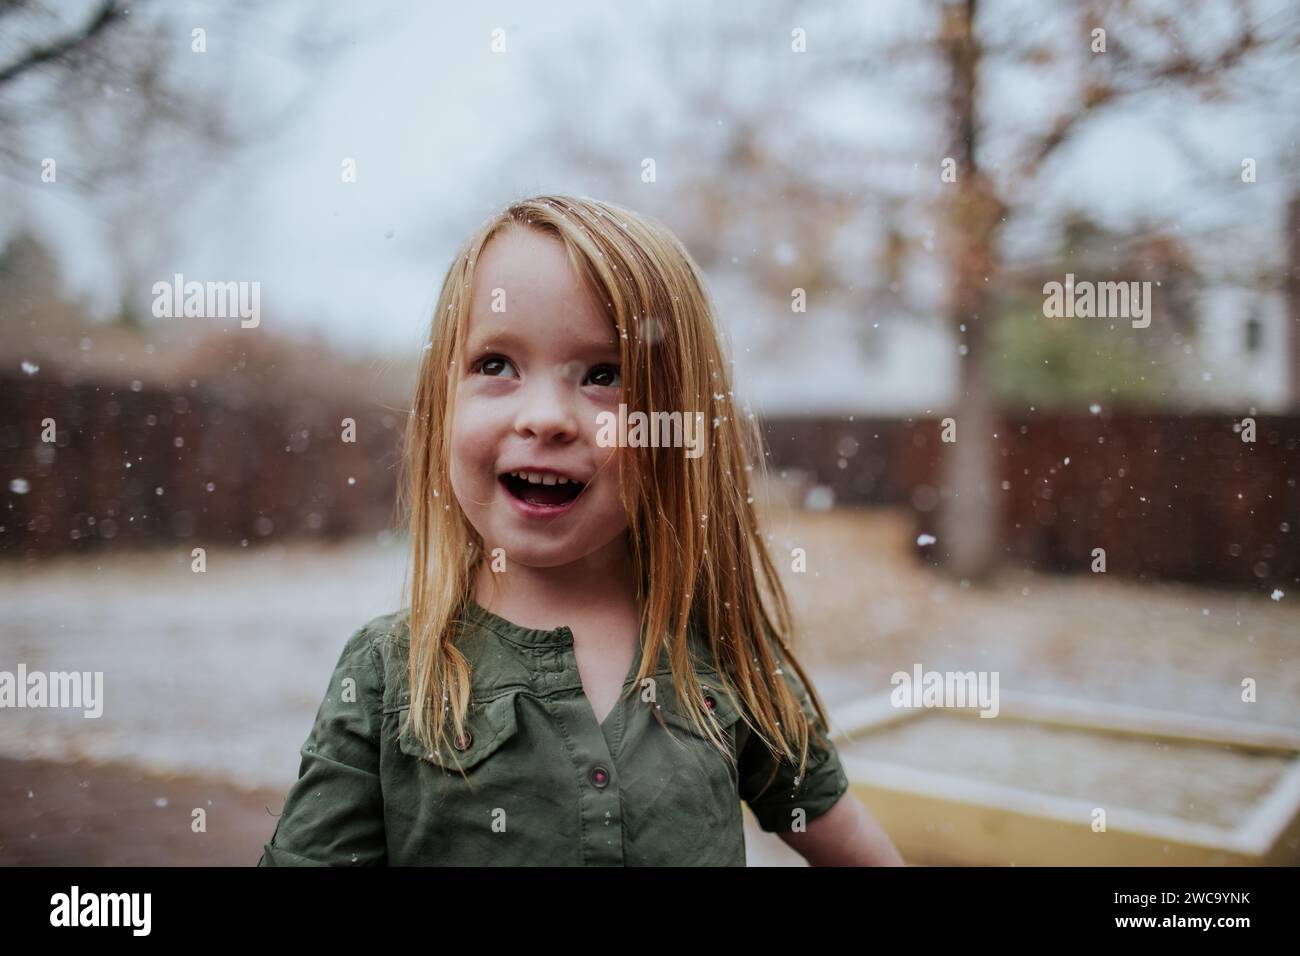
(546, 409)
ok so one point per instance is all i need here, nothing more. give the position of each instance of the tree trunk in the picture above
(970, 520)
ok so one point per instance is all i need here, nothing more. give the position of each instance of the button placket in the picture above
(599, 801)
(553, 675)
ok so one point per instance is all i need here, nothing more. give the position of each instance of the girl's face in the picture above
(541, 362)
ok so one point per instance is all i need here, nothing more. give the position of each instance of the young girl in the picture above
(593, 667)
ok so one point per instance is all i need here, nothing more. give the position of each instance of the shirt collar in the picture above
(536, 637)
(562, 636)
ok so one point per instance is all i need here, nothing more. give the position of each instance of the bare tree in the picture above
(133, 105)
(1123, 50)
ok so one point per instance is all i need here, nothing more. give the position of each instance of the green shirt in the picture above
(544, 783)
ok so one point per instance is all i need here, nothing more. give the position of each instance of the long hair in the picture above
(693, 533)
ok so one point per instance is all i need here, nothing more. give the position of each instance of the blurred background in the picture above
(878, 195)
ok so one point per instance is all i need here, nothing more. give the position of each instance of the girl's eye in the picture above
(493, 365)
(605, 375)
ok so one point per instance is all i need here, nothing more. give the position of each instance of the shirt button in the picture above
(599, 777)
(462, 743)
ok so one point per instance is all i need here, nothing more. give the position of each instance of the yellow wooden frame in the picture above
(993, 824)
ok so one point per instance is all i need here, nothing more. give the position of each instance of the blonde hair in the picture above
(693, 533)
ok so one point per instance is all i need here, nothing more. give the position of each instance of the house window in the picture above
(1254, 334)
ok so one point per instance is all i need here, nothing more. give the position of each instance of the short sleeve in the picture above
(824, 780)
(334, 814)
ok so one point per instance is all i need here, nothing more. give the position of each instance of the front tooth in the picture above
(548, 479)
(534, 478)
(561, 481)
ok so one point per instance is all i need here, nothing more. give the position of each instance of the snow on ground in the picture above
(221, 673)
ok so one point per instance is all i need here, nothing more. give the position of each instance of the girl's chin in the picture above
(537, 558)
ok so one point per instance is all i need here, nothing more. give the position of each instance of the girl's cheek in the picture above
(470, 429)
(467, 456)
(456, 475)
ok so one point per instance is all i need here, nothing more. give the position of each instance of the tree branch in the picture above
(1180, 68)
(99, 22)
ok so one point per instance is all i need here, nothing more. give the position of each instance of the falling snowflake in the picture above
(30, 368)
(19, 486)
(1095, 408)
(924, 539)
(1277, 594)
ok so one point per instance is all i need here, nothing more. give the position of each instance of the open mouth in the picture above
(544, 490)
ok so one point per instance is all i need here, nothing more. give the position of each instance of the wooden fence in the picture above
(1176, 496)
(1172, 496)
(151, 466)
